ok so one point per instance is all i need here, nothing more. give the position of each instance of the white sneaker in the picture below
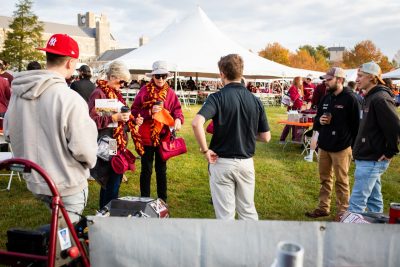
(309, 158)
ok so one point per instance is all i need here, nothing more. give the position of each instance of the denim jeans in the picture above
(112, 189)
(367, 186)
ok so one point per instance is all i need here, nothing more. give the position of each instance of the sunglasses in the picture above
(159, 76)
(123, 83)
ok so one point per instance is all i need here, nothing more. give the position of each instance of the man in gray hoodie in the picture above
(49, 124)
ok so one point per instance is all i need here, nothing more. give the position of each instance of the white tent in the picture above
(195, 44)
(395, 74)
(351, 74)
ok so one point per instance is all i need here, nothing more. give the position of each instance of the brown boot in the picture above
(317, 213)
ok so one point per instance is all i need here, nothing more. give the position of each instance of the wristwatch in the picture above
(203, 151)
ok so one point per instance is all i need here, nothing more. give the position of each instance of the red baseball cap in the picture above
(62, 44)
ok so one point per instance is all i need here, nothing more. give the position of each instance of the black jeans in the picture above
(112, 190)
(147, 169)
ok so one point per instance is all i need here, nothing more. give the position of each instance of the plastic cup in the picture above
(394, 213)
(328, 116)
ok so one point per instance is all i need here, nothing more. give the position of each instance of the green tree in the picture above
(24, 36)
(319, 53)
(322, 50)
(275, 52)
(310, 49)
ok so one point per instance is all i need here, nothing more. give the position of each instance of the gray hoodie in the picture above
(49, 124)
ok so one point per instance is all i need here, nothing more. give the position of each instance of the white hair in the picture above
(118, 70)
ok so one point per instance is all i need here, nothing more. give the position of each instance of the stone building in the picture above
(336, 53)
(92, 33)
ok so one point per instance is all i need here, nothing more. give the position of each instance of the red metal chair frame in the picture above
(56, 206)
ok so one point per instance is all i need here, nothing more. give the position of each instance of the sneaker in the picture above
(317, 213)
(309, 158)
(90, 178)
(282, 142)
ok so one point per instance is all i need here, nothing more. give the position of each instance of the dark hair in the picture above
(351, 84)
(55, 60)
(33, 65)
(86, 74)
(231, 66)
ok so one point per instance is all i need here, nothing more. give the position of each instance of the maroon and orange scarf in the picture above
(155, 94)
(118, 133)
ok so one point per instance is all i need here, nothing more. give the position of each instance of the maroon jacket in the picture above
(319, 93)
(308, 91)
(171, 103)
(5, 95)
(8, 77)
(295, 97)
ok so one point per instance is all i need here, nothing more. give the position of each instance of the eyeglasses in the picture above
(159, 76)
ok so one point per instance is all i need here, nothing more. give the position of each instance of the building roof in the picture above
(4, 22)
(51, 27)
(336, 48)
(109, 55)
(69, 29)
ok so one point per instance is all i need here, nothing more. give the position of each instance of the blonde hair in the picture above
(118, 70)
(298, 82)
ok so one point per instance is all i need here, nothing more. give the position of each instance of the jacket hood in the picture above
(380, 88)
(31, 84)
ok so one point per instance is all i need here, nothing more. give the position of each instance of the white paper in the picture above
(107, 107)
(64, 239)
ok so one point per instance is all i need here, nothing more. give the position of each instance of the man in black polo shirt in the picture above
(239, 120)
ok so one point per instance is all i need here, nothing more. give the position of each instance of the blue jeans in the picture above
(367, 186)
(112, 190)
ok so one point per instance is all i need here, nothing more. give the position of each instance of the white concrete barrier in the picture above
(117, 241)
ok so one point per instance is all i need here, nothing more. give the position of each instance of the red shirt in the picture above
(171, 103)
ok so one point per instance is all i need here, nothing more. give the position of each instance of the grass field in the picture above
(286, 185)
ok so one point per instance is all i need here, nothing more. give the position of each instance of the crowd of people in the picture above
(358, 121)
(62, 129)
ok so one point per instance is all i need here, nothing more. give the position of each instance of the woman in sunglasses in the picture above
(114, 125)
(152, 98)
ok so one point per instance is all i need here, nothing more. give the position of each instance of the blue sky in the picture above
(252, 23)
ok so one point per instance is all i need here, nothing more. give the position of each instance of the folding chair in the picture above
(5, 156)
(307, 141)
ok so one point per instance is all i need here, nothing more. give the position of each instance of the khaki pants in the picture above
(232, 183)
(340, 163)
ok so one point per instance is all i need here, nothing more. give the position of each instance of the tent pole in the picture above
(185, 104)
(175, 81)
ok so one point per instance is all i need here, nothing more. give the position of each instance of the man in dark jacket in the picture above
(337, 122)
(377, 140)
(84, 86)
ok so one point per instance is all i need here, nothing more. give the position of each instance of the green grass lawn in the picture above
(286, 185)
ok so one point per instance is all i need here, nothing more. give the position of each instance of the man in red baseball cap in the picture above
(49, 124)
